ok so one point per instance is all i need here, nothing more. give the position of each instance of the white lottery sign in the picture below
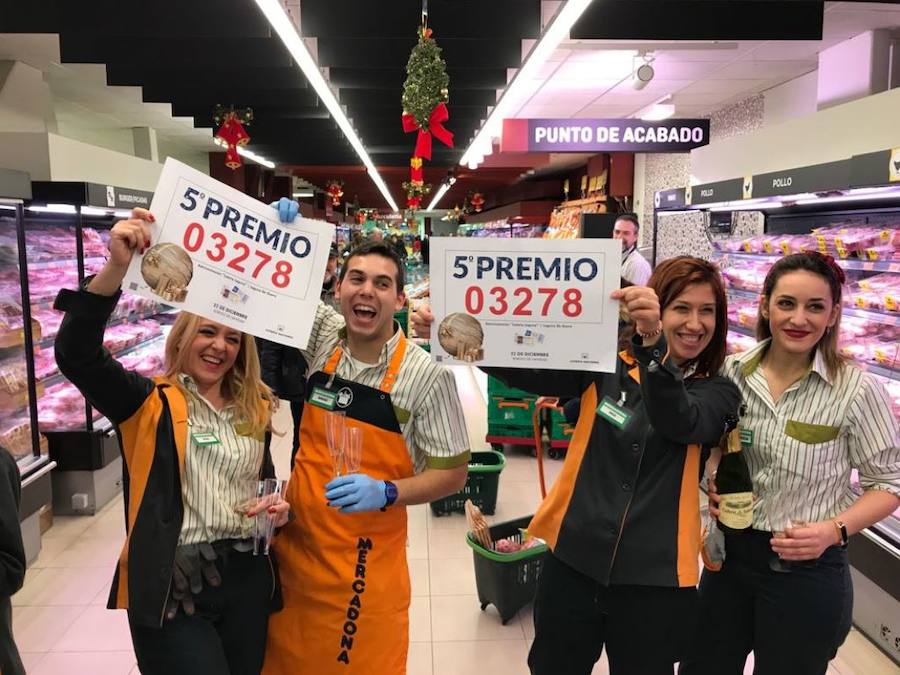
(218, 253)
(525, 303)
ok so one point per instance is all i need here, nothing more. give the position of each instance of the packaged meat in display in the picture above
(747, 275)
(738, 342)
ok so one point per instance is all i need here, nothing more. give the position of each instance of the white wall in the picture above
(26, 151)
(796, 98)
(76, 161)
(866, 125)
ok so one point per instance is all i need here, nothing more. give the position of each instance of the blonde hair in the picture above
(242, 384)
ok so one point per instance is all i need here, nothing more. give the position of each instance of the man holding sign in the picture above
(343, 560)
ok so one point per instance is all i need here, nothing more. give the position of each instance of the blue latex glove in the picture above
(355, 493)
(287, 209)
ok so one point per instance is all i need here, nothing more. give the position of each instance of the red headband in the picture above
(829, 260)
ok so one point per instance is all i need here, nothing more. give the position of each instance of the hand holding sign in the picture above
(126, 237)
(642, 305)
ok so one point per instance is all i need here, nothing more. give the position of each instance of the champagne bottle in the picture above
(733, 481)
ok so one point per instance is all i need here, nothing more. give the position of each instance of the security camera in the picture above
(641, 77)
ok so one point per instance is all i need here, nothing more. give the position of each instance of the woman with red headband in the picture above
(784, 590)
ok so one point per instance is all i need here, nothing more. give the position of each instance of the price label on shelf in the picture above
(218, 253)
(525, 303)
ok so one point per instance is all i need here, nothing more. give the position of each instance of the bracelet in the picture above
(653, 334)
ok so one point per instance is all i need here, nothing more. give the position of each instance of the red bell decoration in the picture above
(413, 203)
(436, 128)
(335, 190)
(232, 133)
(232, 158)
(477, 202)
(416, 174)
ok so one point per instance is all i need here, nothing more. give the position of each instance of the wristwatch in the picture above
(390, 493)
(842, 530)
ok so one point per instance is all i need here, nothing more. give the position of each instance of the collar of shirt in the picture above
(387, 351)
(194, 395)
(751, 359)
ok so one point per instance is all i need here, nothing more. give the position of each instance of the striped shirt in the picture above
(635, 267)
(424, 394)
(217, 476)
(804, 446)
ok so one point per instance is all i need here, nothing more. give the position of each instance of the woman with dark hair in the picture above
(784, 591)
(623, 518)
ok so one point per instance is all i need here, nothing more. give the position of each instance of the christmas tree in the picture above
(426, 79)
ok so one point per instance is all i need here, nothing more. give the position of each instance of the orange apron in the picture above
(344, 576)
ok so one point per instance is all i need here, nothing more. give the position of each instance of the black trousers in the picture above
(227, 633)
(793, 621)
(10, 661)
(296, 414)
(645, 629)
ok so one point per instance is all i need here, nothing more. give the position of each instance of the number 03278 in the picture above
(237, 255)
(523, 301)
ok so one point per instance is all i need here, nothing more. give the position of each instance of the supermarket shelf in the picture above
(874, 368)
(58, 377)
(882, 318)
(48, 342)
(743, 330)
(68, 263)
(846, 263)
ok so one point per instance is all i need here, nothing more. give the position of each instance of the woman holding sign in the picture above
(193, 440)
(623, 518)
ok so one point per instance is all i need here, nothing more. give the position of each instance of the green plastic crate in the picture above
(481, 485)
(510, 412)
(497, 388)
(515, 432)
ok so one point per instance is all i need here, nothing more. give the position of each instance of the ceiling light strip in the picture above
(282, 25)
(249, 154)
(556, 32)
(438, 196)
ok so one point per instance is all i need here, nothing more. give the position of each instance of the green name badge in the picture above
(322, 398)
(205, 439)
(746, 439)
(615, 415)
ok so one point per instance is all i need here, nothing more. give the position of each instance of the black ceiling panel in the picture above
(700, 20)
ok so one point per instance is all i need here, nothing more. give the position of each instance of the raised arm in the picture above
(682, 413)
(80, 354)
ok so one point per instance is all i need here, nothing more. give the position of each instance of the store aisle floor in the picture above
(63, 627)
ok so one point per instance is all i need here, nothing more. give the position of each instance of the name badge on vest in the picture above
(323, 398)
(205, 439)
(614, 414)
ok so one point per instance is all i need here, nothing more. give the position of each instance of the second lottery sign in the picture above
(525, 303)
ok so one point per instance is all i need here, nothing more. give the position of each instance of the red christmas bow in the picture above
(436, 128)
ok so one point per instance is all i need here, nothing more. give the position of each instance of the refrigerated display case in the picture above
(66, 231)
(858, 224)
(18, 391)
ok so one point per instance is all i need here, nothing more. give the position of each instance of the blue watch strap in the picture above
(390, 493)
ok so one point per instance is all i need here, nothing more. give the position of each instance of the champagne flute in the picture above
(336, 434)
(353, 449)
(777, 507)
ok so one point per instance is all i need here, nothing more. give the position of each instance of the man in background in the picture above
(635, 268)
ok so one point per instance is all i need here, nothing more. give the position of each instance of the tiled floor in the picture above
(63, 628)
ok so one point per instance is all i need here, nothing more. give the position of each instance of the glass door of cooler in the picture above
(68, 243)
(18, 429)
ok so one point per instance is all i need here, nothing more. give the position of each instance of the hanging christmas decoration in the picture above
(426, 92)
(415, 191)
(415, 170)
(335, 190)
(477, 201)
(231, 132)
